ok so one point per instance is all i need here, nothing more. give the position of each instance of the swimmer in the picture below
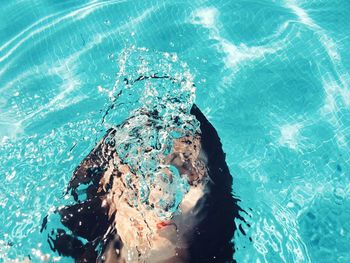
(183, 211)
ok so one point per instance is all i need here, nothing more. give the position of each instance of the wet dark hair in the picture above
(212, 239)
(88, 229)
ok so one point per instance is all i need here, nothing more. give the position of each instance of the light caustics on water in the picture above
(272, 76)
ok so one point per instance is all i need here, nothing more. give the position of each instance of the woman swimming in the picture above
(138, 200)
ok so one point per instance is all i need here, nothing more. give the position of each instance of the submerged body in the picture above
(186, 212)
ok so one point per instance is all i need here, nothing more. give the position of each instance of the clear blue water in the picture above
(272, 77)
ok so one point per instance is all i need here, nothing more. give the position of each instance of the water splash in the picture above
(154, 92)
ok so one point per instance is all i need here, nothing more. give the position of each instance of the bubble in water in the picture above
(154, 92)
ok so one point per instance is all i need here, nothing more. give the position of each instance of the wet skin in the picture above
(201, 232)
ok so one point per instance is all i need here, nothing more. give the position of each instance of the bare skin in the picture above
(145, 236)
(118, 225)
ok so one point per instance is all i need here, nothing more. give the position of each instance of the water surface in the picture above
(271, 76)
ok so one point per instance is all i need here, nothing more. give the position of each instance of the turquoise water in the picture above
(271, 76)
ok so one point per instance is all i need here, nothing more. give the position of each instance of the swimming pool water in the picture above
(271, 76)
